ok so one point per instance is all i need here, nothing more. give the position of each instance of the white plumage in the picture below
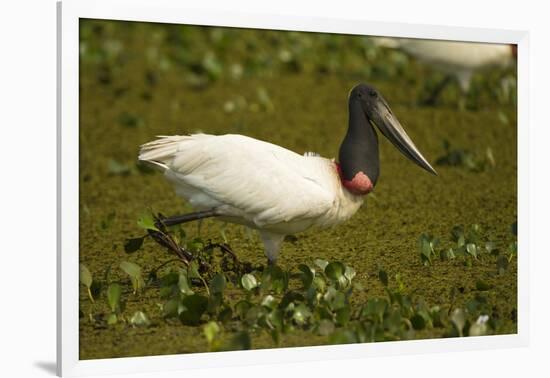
(254, 183)
(460, 59)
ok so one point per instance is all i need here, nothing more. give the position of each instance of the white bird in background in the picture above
(457, 59)
(276, 191)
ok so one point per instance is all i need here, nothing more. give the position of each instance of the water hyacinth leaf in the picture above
(490, 247)
(114, 292)
(193, 270)
(275, 319)
(301, 314)
(112, 319)
(306, 275)
(418, 322)
(343, 336)
(211, 331)
(183, 283)
(196, 245)
(134, 271)
(457, 232)
(479, 328)
(241, 341)
(514, 228)
(471, 248)
(458, 318)
(85, 276)
(139, 319)
(87, 280)
(242, 307)
(325, 327)
(249, 281)
(194, 306)
(502, 264)
(269, 301)
(320, 284)
(335, 272)
(350, 273)
(383, 277)
(133, 245)
(147, 222)
(274, 278)
(343, 315)
(217, 284)
(171, 308)
(321, 263)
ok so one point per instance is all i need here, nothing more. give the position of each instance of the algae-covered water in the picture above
(142, 80)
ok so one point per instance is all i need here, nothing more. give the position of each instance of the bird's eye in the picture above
(373, 94)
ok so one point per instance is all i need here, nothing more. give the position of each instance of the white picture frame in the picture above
(168, 11)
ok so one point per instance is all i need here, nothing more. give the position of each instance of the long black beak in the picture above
(388, 125)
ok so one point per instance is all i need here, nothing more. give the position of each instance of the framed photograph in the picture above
(241, 189)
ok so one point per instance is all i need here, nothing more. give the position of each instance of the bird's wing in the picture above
(265, 183)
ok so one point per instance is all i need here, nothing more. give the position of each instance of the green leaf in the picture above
(335, 272)
(112, 319)
(217, 284)
(241, 341)
(183, 283)
(275, 319)
(194, 307)
(274, 278)
(471, 248)
(343, 315)
(134, 271)
(325, 327)
(193, 270)
(383, 277)
(502, 264)
(211, 331)
(133, 245)
(147, 222)
(458, 318)
(301, 314)
(86, 280)
(171, 308)
(269, 302)
(418, 322)
(249, 281)
(306, 275)
(85, 276)
(139, 319)
(321, 263)
(114, 292)
(350, 273)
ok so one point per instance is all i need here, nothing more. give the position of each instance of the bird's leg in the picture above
(178, 219)
(272, 245)
(435, 92)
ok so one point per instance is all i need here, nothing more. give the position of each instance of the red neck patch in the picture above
(359, 185)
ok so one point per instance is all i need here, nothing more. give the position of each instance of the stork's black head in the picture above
(378, 112)
(359, 150)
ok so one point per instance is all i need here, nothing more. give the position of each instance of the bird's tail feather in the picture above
(161, 151)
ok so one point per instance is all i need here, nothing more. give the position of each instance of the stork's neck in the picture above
(359, 165)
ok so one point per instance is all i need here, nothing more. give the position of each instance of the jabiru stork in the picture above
(453, 58)
(276, 191)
